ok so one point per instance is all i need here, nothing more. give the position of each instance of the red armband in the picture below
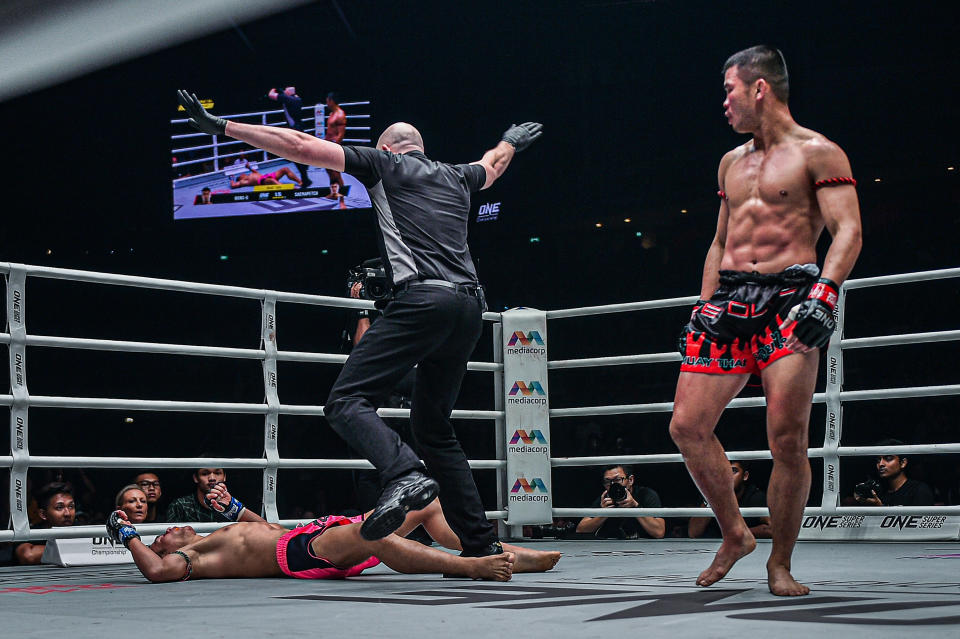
(837, 181)
(826, 291)
(722, 195)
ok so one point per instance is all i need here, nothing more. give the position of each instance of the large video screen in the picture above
(217, 176)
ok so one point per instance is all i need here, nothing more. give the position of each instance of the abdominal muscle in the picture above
(767, 239)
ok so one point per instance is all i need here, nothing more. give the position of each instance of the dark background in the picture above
(630, 96)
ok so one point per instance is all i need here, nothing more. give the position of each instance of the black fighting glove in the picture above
(520, 136)
(814, 316)
(199, 118)
(119, 531)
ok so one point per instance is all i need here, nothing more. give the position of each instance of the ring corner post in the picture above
(526, 417)
(19, 416)
(268, 340)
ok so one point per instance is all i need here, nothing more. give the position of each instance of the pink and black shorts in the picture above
(738, 330)
(297, 559)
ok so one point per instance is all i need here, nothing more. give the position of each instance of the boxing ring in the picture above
(606, 584)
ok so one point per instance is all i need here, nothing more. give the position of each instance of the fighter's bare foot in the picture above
(782, 583)
(529, 560)
(731, 551)
(492, 567)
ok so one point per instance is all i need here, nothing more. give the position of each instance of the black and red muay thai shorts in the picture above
(737, 330)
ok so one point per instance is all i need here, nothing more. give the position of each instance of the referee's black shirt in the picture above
(422, 210)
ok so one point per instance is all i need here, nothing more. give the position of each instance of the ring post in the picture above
(19, 431)
(527, 417)
(268, 340)
(834, 426)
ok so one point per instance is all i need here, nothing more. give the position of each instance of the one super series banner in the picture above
(527, 417)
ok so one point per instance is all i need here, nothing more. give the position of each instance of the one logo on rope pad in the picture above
(530, 343)
(529, 490)
(526, 392)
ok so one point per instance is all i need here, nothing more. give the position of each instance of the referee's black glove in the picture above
(521, 136)
(199, 118)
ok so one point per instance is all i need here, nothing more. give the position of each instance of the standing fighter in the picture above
(335, 130)
(292, 109)
(433, 320)
(765, 312)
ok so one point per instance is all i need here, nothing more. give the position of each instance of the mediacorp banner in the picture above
(527, 417)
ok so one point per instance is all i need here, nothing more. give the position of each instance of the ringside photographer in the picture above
(619, 492)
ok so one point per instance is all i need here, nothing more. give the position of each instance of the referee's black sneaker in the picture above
(412, 491)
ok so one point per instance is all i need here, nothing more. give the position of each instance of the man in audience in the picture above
(748, 496)
(898, 489)
(57, 508)
(193, 507)
(619, 492)
(149, 483)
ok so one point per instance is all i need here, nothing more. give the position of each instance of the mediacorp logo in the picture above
(529, 343)
(529, 490)
(527, 392)
(534, 437)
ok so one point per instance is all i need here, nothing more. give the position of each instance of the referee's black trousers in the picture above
(435, 328)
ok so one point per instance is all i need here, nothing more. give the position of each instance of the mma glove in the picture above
(120, 532)
(814, 316)
(199, 118)
(231, 511)
(520, 136)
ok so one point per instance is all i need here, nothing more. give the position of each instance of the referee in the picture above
(433, 320)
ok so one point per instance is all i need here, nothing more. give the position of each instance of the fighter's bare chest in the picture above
(774, 177)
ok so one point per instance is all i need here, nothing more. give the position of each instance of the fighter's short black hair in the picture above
(49, 491)
(762, 61)
(333, 95)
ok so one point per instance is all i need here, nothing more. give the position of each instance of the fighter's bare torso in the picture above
(773, 219)
(243, 549)
(336, 125)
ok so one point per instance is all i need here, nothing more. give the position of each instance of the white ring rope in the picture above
(19, 400)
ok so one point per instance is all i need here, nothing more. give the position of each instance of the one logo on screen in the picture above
(527, 393)
(488, 212)
(532, 442)
(533, 490)
(529, 343)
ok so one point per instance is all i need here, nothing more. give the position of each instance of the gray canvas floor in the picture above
(610, 589)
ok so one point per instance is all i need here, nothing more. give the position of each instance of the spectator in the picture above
(132, 501)
(624, 527)
(897, 489)
(57, 508)
(149, 483)
(193, 507)
(748, 496)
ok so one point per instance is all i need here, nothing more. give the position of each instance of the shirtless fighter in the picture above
(255, 177)
(334, 132)
(764, 310)
(329, 548)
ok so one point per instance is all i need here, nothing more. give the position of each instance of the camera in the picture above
(374, 284)
(617, 492)
(867, 488)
